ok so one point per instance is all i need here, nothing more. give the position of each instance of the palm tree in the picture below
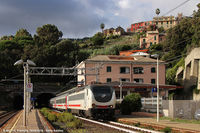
(157, 11)
(102, 26)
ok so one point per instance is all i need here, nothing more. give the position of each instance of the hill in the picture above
(110, 46)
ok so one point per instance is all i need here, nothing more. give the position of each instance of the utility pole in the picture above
(120, 86)
(25, 66)
(24, 118)
(158, 99)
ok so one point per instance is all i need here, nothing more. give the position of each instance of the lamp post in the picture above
(25, 66)
(158, 102)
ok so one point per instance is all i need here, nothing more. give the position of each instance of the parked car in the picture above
(197, 114)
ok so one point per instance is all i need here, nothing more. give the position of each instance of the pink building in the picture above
(150, 38)
(136, 70)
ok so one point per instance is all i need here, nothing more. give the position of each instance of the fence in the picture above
(180, 108)
(150, 104)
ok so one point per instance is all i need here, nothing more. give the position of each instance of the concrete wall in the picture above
(180, 108)
(190, 75)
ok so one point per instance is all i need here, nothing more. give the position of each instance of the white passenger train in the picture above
(96, 101)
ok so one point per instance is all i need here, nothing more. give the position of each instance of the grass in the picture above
(180, 120)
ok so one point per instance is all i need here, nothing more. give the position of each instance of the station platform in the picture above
(35, 123)
(152, 121)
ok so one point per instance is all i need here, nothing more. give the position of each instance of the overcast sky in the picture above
(81, 18)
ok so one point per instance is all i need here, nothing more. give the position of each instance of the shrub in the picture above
(167, 130)
(65, 117)
(52, 117)
(74, 124)
(68, 117)
(131, 103)
(45, 111)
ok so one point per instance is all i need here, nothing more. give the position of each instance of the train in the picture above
(93, 101)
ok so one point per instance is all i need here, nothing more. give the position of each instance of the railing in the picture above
(151, 101)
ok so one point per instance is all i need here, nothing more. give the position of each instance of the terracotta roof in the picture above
(117, 58)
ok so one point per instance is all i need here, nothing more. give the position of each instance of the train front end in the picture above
(103, 102)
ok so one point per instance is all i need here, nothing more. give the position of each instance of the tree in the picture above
(131, 103)
(47, 35)
(98, 39)
(7, 37)
(22, 33)
(67, 52)
(157, 11)
(161, 29)
(102, 26)
(23, 38)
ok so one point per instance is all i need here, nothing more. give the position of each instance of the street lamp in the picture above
(157, 56)
(25, 65)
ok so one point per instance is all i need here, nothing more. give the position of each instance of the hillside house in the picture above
(118, 31)
(150, 38)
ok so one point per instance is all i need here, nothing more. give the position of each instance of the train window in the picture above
(102, 93)
(76, 97)
(101, 89)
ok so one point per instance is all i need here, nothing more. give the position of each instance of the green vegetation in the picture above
(167, 130)
(180, 120)
(179, 42)
(64, 120)
(47, 48)
(131, 103)
(171, 72)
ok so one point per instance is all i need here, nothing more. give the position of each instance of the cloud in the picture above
(80, 18)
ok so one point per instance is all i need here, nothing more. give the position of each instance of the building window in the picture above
(162, 23)
(138, 70)
(154, 37)
(167, 22)
(125, 79)
(144, 40)
(109, 80)
(108, 68)
(170, 22)
(150, 43)
(153, 81)
(154, 42)
(124, 70)
(156, 23)
(153, 70)
(138, 80)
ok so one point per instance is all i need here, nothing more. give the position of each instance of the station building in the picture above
(134, 73)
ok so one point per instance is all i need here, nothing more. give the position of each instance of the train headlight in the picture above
(110, 106)
(93, 105)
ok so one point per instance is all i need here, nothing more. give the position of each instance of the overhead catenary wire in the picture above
(176, 7)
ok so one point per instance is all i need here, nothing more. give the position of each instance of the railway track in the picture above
(119, 126)
(6, 116)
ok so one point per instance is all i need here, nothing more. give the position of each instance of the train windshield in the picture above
(102, 93)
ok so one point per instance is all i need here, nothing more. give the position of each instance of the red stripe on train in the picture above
(74, 105)
(99, 106)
